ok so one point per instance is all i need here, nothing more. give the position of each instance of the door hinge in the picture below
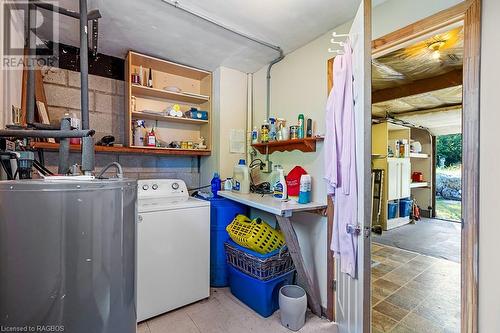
(334, 285)
(367, 232)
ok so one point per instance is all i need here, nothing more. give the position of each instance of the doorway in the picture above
(403, 295)
(448, 170)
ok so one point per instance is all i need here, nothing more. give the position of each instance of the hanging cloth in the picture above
(340, 161)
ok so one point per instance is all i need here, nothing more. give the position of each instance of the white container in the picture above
(293, 306)
(241, 178)
(280, 188)
(228, 184)
(305, 189)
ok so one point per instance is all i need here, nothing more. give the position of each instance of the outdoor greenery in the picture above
(450, 148)
(448, 209)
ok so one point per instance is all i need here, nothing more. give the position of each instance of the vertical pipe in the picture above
(84, 64)
(88, 153)
(268, 78)
(63, 166)
(31, 45)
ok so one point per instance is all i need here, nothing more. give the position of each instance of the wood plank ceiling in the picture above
(420, 80)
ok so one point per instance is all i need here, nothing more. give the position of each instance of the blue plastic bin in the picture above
(222, 212)
(261, 296)
(405, 207)
(392, 209)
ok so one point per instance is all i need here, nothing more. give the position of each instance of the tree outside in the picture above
(449, 177)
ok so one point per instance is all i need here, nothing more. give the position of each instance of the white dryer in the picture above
(173, 247)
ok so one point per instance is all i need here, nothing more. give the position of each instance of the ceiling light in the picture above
(435, 47)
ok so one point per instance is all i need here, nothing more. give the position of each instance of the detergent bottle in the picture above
(241, 178)
(280, 188)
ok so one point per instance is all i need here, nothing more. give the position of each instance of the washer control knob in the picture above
(154, 187)
(175, 186)
(145, 187)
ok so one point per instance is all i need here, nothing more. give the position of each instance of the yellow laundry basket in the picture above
(255, 234)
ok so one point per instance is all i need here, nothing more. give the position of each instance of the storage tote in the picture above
(260, 266)
(222, 212)
(261, 296)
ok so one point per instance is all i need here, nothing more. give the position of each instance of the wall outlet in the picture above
(267, 167)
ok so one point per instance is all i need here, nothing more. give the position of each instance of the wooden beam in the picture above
(329, 75)
(450, 79)
(426, 111)
(330, 263)
(420, 28)
(304, 276)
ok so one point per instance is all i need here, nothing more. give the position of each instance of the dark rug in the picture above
(435, 238)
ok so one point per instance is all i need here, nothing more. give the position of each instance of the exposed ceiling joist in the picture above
(426, 111)
(447, 80)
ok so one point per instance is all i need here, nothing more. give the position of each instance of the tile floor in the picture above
(413, 292)
(223, 313)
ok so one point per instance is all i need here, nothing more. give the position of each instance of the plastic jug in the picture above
(241, 178)
(280, 187)
(215, 184)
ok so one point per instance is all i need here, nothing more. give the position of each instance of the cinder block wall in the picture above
(106, 100)
(107, 112)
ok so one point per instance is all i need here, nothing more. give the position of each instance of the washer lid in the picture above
(169, 203)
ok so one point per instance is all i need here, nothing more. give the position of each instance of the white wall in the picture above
(299, 85)
(489, 249)
(229, 107)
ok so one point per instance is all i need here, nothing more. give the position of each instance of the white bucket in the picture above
(293, 306)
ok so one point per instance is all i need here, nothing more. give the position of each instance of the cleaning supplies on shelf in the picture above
(241, 178)
(305, 189)
(215, 184)
(264, 132)
(309, 130)
(272, 129)
(150, 78)
(300, 130)
(228, 184)
(194, 113)
(139, 129)
(255, 135)
(280, 188)
(151, 138)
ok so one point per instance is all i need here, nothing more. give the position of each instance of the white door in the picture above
(405, 178)
(393, 179)
(352, 314)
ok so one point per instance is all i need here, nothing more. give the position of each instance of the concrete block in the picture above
(103, 103)
(54, 75)
(118, 127)
(56, 113)
(101, 122)
(120, 87)
(118, 105)
(179, 163)
(66, 97)
(135, 163)
(97, 83)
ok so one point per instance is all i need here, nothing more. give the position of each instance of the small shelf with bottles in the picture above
(306, 145)
(162, 94)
